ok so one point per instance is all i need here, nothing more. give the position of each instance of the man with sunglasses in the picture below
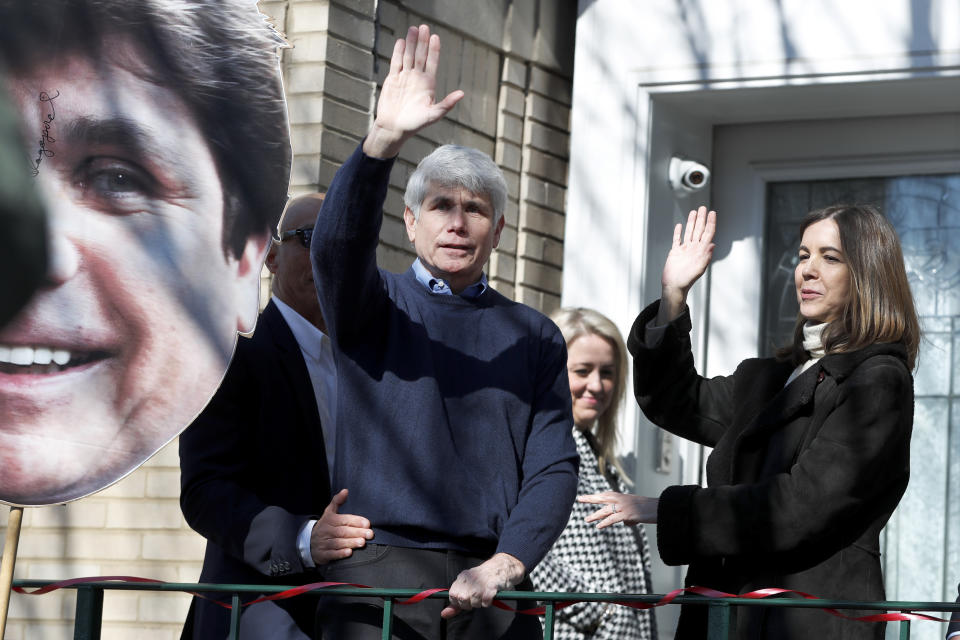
(255, 477)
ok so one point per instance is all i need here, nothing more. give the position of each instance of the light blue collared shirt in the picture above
(440, 287)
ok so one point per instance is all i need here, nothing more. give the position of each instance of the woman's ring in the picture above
(614, 507)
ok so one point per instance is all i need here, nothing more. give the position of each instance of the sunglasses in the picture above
(305, 235)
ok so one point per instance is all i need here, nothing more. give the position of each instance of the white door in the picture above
(767, 176)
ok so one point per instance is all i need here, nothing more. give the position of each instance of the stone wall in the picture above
(514, 60)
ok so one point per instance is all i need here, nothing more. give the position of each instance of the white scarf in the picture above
(813, 345)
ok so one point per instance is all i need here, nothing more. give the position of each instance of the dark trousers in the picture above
(358, 618)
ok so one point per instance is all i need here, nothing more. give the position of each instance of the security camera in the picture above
(687, 176)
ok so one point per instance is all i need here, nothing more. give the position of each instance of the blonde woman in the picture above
(584, 558)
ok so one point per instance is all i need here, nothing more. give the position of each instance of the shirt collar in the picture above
(440, 286)
(304, 332)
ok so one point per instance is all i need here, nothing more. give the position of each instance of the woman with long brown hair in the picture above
(811, 449)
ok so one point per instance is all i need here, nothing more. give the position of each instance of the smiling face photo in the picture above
(146, 287)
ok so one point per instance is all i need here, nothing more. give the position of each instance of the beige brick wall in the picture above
(132, 528)
(514, 65)
(514, 62)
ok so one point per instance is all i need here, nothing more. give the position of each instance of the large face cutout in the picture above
(134, 328)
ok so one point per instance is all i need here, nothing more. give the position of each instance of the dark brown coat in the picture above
(800, 482)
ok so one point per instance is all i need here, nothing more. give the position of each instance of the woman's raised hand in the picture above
(686, 262)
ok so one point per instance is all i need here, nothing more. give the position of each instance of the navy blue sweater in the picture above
(453, 414)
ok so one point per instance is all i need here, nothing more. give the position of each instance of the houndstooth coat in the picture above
(585, 559)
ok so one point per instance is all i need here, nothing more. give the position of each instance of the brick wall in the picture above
(514, 61)
(132, 528)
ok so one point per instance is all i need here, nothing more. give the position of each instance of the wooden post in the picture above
(7, 563)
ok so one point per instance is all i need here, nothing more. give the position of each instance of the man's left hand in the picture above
(335, 535)
(477, 587)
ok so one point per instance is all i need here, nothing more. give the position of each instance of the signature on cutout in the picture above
(47, 124)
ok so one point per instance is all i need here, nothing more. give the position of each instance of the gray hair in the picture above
(453, 165)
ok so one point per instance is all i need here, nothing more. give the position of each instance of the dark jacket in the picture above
(253, 471)
(800, 482)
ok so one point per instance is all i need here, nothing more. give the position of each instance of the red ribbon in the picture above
(536, 611)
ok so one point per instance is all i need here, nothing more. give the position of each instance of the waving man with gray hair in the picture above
(454, 412)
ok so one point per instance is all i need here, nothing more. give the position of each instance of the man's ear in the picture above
(498, 230)
(410, 221)
(271, 260)
(249, 266)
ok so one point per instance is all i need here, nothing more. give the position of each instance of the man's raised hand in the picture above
(407, 100)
